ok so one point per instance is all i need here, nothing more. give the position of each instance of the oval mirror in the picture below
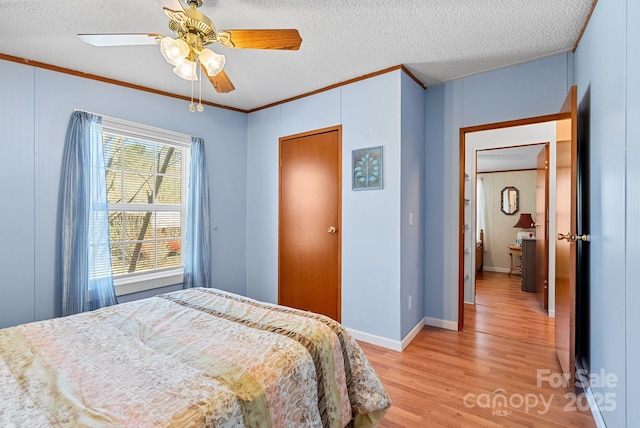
(509, 200)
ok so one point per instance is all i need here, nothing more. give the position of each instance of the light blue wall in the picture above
(412, 204)
(370, 113)
(38, 107)
(601, 66)
(632, 330)
(263, 131)
(265, 127)
(533, 89)
(17, 176)
(442, 125)
(371, 219)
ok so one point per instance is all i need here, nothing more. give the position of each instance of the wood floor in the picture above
(485, 376)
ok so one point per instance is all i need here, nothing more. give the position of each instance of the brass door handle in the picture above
(569, 238)
(331, 229)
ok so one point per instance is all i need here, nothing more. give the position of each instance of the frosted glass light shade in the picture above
(186, 70)
(174, 51)
(211, 61)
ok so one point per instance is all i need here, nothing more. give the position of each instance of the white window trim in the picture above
(136, 282)
(142, 281)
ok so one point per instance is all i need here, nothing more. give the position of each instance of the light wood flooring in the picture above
(486, 375)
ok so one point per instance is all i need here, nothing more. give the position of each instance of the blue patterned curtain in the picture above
(197, 253)
(87, 279)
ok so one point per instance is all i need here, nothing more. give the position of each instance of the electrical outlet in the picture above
(410, 219)
(410, 302)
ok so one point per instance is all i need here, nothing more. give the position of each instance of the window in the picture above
(146, 177)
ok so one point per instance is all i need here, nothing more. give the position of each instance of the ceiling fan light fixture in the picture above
(191, 32)
(186, 70)
(213, 62)
(175, 51)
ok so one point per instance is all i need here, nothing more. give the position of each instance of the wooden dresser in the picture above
(528, 260)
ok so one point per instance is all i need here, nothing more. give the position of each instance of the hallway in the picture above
(499, 371)
(502, 309)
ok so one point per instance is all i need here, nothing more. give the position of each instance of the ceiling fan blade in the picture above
(171, 4)
(260, 39)
(220, 81)
(120, 39)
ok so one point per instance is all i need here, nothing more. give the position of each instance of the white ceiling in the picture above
(436, 40)
(509, 159)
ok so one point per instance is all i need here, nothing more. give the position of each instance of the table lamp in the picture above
(525, 222)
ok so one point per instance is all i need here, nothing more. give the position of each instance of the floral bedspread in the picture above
(198, 357)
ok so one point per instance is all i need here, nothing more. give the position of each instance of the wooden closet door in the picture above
(309, 234)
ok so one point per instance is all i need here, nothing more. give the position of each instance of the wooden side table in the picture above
(515, 251)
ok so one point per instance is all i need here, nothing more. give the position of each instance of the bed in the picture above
(190, 358)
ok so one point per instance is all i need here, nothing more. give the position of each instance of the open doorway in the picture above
(506, 195)
(511, 227)
(503, 135)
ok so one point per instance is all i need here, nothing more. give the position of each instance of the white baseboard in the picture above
(593, 404)
(394, 345)
(399, 346)
(447, 325)
(412, 334)
(495, 269)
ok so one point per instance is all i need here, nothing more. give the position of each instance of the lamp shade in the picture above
(174, 51)
(186, 70)
(211, 61)
(525, 221)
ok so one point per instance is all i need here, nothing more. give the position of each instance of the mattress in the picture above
(191, 358)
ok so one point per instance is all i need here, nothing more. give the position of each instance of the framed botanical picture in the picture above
(366, 168)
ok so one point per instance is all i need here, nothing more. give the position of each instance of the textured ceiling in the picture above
(436, 40)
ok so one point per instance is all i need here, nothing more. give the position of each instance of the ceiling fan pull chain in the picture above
(192, 108)
(200, 106)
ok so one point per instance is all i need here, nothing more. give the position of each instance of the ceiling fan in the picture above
(193, 31)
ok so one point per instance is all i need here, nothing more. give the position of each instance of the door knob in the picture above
(584, 238)
(331, 229)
